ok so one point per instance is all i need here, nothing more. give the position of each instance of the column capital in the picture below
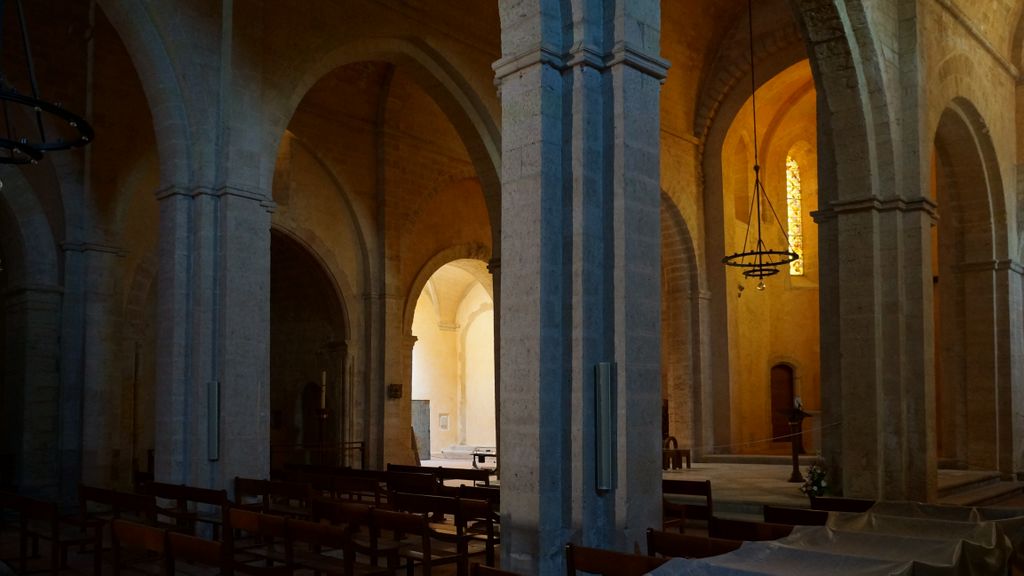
(588, 55)
(25, 289)
(626, 54)
(992, 266)
(220, 191)
(544, 54)
(93, 247)
(876, 204)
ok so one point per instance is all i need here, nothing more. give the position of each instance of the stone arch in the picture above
(315, 247)
(715, 183)
(34, 231)
(311, 329)
(443, 82)
(971, 294)
(852, 98)
(30, 304)
(145, 44)
(139, 346)
(856, 161)
(358, 215)
(460, 252)
(683, 382)
(731, 67)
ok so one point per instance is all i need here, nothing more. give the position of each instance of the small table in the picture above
(481, 456)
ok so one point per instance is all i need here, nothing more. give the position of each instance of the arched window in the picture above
(795, 228)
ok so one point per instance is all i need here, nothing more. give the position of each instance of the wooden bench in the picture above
(481, 570)
(607, 562)
(412, 482)
(190, 505)
(419, 543)
(149, 542)
(314, 546)
(255, 539)
(694, 502)
(671, 544)
(274, 496)
(837, 504)
(729, 529)
(40, 520)
(794, 516)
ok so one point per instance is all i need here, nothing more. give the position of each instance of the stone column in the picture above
(917, 455)
(885, 329)
(34, 394)
(636, 73)
(106, 457)
(703, 413)
(397, 372)
(494, 267)
(581, 261)
(993, 401)
(212, 388)
(1013, 329)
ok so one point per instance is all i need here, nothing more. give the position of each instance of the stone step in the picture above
(463, 451)
(960, 481)
(984, 494)
(805, 460)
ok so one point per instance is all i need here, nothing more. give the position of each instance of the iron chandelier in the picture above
(756, 258)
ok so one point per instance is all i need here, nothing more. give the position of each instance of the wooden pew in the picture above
(194, 550)
(312, 546)
(251, 493)
(671, 544)
(838, 504)
(191, 505)
(412, 482)
(746, 530)
(607, 562)
(476, 520)
(149, 542)
(794, 516)
(419, 543)
(255, 539)
(274, 496)
(104, 504)
(481, 570)
(40, 520)
(697, 502)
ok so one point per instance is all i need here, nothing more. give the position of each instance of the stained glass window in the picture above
(795, 227)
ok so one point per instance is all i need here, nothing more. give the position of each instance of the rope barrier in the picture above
(711, 449)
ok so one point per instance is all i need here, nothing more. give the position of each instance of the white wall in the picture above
(476, 317)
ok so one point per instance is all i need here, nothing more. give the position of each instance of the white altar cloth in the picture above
(890, 539)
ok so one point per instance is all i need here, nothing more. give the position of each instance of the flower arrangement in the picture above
(815, 484)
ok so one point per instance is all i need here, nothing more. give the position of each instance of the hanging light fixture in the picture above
(756, 259)
(23, 137)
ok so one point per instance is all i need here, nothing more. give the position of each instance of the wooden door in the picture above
(782, 399)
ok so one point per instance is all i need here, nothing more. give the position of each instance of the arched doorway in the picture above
(972, 413)
(308, 331)
(783, 396)
(453, 362)
(681, 363)
(782, 320)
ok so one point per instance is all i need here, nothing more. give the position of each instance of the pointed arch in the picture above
(972, 289)
(683, 366)
(463, 107)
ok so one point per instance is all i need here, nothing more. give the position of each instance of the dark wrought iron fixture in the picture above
(23, 117)
(756, 259)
